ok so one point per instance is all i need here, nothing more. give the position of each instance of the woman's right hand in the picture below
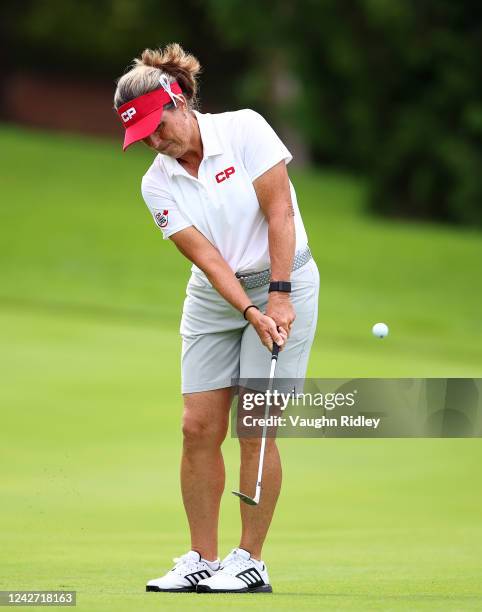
(266, 329)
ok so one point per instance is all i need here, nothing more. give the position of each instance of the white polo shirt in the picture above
(221, 203)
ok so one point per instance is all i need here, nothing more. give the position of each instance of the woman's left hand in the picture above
(281, 310)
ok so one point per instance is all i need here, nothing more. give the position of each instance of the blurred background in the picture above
(380, 103)
(390, 90)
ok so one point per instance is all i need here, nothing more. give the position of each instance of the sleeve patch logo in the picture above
(162, 219)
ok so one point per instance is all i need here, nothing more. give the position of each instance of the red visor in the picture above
(142, 115)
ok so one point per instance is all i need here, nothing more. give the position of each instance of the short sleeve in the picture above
(261, 147)
(164, 211)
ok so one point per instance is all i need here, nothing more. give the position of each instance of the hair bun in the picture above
(143, 76)
(173, 60)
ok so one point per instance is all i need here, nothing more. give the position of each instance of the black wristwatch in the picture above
(283, 286)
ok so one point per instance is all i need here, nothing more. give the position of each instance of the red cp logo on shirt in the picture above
(225, 174)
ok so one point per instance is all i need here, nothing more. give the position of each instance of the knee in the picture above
(199, 433)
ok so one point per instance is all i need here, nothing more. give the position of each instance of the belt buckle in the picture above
(250, 274)
(241, 279)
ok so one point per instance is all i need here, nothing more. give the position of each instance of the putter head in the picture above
(247, 500)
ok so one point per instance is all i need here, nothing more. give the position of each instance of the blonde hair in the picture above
(145, 72)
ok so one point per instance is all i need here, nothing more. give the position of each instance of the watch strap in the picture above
(284, 286)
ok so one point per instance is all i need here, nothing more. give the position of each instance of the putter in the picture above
(254, 501)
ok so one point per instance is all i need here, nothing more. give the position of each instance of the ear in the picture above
(183, 102)
(180, 103)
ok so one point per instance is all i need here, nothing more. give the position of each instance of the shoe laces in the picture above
(234, 563)
(184, 564)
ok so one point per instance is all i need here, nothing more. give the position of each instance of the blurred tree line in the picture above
(389, 88)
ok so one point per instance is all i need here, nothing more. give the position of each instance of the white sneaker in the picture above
(238, 574)
(184, 576)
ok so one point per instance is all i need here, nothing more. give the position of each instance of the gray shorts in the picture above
(219, 345)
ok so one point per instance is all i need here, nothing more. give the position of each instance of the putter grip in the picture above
(275, 351)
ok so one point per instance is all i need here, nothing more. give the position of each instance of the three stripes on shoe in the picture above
(250, 577)
(195, 577)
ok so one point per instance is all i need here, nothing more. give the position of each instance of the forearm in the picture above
(282, 241)
(193, 245)
(225, 282)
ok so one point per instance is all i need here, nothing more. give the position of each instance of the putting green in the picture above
(89, 312)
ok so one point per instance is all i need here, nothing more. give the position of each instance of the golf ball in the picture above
(380, 330)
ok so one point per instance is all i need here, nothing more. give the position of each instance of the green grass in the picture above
(90, 301)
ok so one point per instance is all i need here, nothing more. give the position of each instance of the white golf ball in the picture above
(380, 330)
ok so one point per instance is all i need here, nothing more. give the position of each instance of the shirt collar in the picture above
(211, 143)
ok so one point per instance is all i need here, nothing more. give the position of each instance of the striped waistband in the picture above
(258, 279)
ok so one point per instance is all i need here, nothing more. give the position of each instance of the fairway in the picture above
(90, 304)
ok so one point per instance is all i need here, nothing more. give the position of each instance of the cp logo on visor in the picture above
(128, 114)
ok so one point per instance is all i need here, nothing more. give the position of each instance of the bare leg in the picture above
(205, 423)
(256, 519)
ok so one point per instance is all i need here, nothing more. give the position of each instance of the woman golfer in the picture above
(219, 189)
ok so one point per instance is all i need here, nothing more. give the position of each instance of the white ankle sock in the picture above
(214, 565)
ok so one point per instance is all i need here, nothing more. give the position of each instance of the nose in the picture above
(154, 140)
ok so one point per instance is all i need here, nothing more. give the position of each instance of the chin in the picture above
(172, 151)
